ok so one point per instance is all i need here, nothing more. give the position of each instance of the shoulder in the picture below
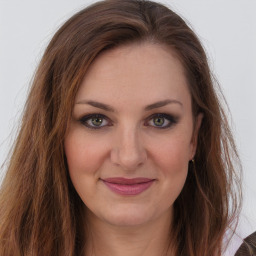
(243, 239)
(248, 247)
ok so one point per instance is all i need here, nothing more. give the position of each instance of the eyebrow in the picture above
(106, 107)
(162, 103)
(97, 105)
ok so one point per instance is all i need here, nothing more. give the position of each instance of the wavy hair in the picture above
(41, 213)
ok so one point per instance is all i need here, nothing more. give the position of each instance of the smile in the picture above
(129, 187)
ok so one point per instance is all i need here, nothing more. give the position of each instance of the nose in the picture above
(128, 151)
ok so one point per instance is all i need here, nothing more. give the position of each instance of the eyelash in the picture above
(170, 119)
(85, 119)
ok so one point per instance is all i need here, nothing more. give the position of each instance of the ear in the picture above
(194, 139)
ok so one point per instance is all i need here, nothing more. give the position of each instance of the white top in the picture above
(245, 227)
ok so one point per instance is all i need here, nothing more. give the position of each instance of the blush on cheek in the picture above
(82, 154)
(81, 161)
(173, 155)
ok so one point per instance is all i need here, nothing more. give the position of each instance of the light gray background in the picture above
(226, 28)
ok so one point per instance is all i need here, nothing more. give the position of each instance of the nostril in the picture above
(129, 158)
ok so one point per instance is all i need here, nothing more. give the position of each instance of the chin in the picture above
(126, 221)
(128, 216)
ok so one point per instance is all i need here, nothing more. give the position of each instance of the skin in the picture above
(129, 144)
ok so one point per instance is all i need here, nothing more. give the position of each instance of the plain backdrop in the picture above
(227, 29)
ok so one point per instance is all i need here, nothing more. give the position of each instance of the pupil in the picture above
(159, 121)
(97, 121)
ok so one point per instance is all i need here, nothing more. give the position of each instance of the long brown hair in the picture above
(40, 212)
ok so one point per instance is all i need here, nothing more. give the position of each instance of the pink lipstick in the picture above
(125, 186)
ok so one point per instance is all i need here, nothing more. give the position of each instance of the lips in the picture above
(125, 186)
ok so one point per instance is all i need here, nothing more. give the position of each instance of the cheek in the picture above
(171, 162)
(84, 153)
(174, 167)
(172, 156)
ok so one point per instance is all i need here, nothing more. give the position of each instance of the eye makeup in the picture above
(157, 120)
(95, 121)
(161, 120)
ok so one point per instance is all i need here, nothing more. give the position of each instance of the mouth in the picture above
(129, 187)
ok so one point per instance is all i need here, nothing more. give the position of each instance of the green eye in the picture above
(161, 120)
(158, 121)
(97, 121)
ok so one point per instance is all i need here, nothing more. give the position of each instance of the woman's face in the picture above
(132, 135)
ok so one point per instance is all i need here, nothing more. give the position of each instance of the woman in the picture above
(124, 147)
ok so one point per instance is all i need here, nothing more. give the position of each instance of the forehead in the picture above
(137, 72)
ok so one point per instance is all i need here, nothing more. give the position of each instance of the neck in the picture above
(151, 239)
